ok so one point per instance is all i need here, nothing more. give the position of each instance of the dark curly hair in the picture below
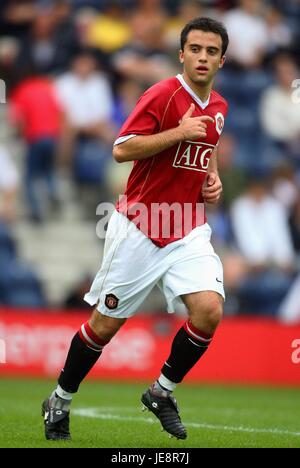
(206, 25)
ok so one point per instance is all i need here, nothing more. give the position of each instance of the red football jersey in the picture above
(169, 184)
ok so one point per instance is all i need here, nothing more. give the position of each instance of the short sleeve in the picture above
(147, 115)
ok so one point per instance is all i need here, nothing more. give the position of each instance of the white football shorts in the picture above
(132, 265)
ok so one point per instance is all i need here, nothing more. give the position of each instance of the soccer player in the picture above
(172, 137)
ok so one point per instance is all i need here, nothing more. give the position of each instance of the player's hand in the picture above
(194, 128)
(212, 188)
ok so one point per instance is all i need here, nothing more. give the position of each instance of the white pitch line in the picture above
(96, 413)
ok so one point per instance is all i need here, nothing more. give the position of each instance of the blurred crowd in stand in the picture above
(73, 72)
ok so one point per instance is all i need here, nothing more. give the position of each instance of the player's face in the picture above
(202, 56)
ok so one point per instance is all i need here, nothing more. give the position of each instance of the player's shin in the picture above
(188, 347)
(83, 354)
(85, 349)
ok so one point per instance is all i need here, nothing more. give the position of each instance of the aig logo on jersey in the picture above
(219, 119)
(193, 155)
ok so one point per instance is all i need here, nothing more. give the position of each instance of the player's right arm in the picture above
(144, 146)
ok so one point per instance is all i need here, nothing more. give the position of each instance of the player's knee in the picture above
(208, 316)
(214, 314)
(103, 326)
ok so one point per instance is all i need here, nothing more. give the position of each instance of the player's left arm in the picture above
(212, 187)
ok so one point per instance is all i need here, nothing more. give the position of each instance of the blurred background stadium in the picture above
(72, 72)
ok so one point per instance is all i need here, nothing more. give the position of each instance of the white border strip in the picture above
(202, 104)
(88, 339)
(123, 139)
(200, 338)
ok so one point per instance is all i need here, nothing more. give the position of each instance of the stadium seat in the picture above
(7, 243)
(20, 286)
(90, 161)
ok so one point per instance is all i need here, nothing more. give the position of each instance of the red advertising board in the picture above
(244, 350)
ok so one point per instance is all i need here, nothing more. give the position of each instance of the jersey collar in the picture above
(202, 104)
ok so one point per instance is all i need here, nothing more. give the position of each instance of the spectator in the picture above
(280, 36)
(291, 11)
(256, 216)
(74, 299)
(145, 59)
(83, 21)
(9, 50)
(233, 178)
(219, 221)
(262, 235)
(289, 311)
(64, 33)
(285, 186)
(45, 47)
(9, 184)
(280, 117)
(110, 30)
(19, 285)
(16, 17)
(134, 42)
(35, 111)
(187, 10)
(248, 34)
(152, 9)
(128, 92)
(294, 223)
(86, 98)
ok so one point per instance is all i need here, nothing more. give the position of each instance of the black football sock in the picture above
(187, 348)
(84, 352)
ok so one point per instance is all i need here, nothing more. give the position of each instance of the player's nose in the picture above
(202, 57)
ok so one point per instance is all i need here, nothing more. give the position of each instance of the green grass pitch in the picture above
(109, 415)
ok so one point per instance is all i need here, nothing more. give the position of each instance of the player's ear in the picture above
(222, 61)
(181, 57)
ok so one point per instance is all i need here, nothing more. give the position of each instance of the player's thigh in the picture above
(193, 272)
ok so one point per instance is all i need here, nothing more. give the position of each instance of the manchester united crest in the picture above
(219, 119)
(111, 301)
